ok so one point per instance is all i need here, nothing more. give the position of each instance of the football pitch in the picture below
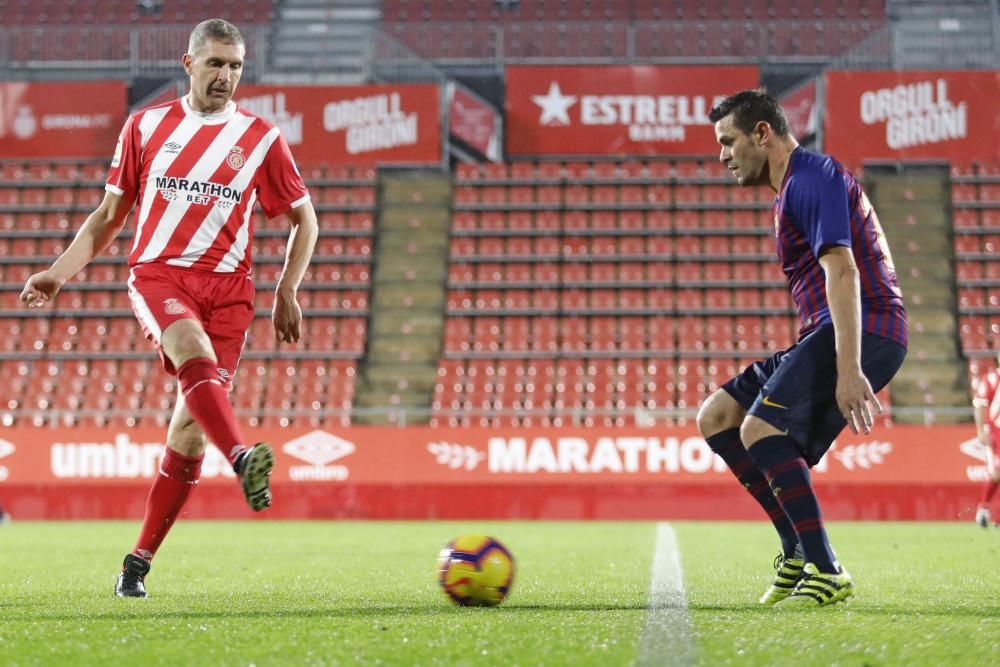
(360, 593)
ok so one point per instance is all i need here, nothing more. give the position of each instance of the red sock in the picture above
(208, 402)
(177, 478)
(988, 491)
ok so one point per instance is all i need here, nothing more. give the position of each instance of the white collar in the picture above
(209, 118)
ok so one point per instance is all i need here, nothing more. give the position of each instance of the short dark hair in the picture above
(749, 107)
(218, 30)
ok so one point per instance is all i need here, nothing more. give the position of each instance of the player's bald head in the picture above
(216, 30)
(749, 107)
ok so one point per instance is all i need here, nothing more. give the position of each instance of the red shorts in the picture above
(221, 302)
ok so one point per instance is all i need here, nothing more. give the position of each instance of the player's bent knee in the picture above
(718, 413)
(185, 340)
(187, 440)
(754, 428)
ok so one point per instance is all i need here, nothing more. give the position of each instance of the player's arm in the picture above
(843, 294)
(98, 231)
(287, 315)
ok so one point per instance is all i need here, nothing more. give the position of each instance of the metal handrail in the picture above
(406, 416)
(49, 51)
(46, 51)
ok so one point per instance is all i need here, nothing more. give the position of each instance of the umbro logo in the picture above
(319, 448)
(172, 148)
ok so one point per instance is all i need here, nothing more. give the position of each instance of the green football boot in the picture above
(789, 571)
(818, 589)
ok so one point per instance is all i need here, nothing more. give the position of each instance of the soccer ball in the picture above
(476, 571)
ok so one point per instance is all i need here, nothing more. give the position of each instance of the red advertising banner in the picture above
(801, 110)
(645, 110)
(889, 115)
(61, 120)
(392, 123)
(475, 122)
(485, 456)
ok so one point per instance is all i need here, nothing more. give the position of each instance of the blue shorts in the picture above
(795, 390)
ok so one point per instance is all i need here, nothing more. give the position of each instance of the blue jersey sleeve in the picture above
(821, 208)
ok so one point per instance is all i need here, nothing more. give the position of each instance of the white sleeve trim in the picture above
(114, 189)
(300, 202)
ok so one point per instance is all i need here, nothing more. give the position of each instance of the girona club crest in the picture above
(235, 158)
(172, 307)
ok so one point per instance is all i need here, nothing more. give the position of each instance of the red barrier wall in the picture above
(912, 115)
(368, 501)
(61, 119)
(371, 124)
(429, 473)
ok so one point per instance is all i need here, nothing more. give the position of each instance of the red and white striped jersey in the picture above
(988, 396)
(195, 178)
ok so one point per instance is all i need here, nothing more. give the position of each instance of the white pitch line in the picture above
(666, 638)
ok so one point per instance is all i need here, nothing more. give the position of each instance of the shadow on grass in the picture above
(150, 609)
(990, 611)
(147, 609)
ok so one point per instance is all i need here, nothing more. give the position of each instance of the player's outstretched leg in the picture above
(132, 578)
(254, 468)
(206, 398)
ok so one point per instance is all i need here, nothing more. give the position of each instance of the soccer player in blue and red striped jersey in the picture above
(776, 420)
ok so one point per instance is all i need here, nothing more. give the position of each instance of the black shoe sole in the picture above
(255, 476)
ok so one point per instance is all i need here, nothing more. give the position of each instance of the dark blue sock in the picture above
(786, 471)
(727, 444)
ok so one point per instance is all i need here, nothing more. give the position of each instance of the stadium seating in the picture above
(976, 211)
(56, 32)
(622, 10)
(578, 293)
(445, 29)
(594, 292)
(129, 12)
(91, 336)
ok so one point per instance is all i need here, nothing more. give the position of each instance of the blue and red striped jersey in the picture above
(821, 204)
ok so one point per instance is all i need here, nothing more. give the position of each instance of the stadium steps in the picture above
(409, 285)
(913, 203)
(938, 34)
(328, 40)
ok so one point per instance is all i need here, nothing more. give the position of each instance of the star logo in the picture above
(555, 106)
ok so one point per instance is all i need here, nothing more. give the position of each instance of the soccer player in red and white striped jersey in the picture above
(194, 168)
(986, 409)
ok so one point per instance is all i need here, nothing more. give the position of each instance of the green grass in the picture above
(317, 593)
